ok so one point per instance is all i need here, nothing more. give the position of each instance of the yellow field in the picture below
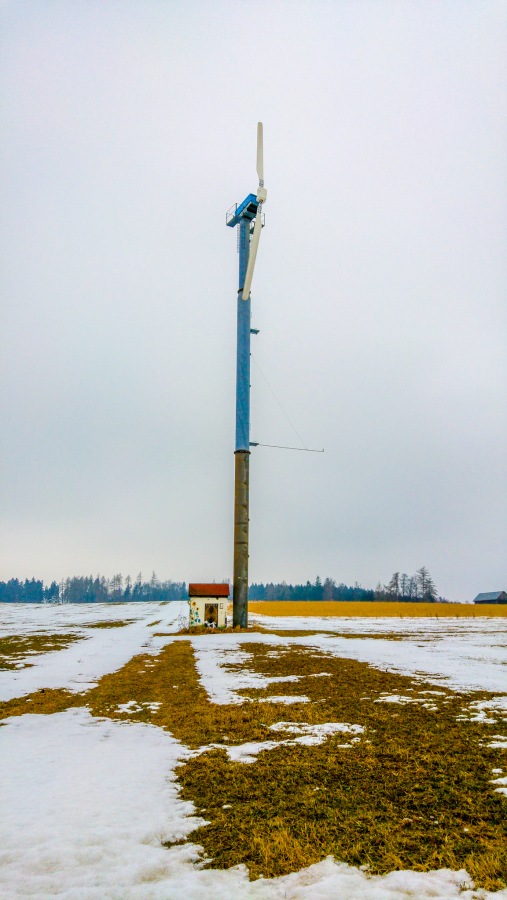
(373, 610)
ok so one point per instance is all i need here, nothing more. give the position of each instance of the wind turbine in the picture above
(248, 242)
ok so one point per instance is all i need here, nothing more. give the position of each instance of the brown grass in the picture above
(374, 609)
(116, 623)
(403, 800)
(203, 629)
(45, 701)
(15, 649)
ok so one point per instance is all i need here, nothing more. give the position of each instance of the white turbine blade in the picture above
(260, 153)
(253, 253)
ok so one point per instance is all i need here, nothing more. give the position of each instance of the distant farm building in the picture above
(208, 604)
(492, 597)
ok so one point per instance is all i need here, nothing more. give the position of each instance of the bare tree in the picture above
(328, 589)
(412, 588)
(393, 588)
(116, 585)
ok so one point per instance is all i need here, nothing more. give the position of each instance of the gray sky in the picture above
(128, 130)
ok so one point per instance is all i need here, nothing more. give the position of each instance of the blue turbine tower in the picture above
(243, 216)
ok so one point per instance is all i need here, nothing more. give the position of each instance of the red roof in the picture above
(208, 590)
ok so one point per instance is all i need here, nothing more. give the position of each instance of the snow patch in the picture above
(307, 736)
(285, 698)
(223, 670)
(484, 710)
(503, 785)
(133, 707)
(399, 698)
(87, 804)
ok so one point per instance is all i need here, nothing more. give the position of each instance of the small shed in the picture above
(208, 604)
(492, 597)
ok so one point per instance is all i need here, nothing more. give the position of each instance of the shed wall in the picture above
(198, 610)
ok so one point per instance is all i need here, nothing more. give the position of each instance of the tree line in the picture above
(87, 589)
(418, 588)
(318, 590)
(29, 591)
(402, 588)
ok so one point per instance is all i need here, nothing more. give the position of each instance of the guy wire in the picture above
(279, 403)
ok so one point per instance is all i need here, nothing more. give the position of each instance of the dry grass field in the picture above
(376, 610)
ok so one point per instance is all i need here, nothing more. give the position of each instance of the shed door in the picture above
(211, 614)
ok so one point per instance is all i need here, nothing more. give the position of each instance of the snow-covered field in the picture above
(457, 653)
(86, 802)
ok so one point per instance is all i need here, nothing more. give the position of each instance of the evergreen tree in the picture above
(33, 592)
(51, 593)
(426, 589)
(317, 590)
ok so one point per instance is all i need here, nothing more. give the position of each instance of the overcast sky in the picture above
(128, 130)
